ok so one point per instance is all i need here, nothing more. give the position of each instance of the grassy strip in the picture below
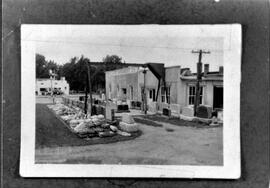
(175, 121)
(148, 122)
(51, 132)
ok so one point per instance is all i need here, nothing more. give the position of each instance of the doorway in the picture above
(218, 97)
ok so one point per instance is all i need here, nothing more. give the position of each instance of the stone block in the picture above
(109, 112)
(175, 110)
(128, 127)
(113, 128)
(123, 133)
(186, 118)
(127, 118)
(188, 111)
(129, 103)
(152, 107)
(220, 116)
(106, 134)
(204, 111)
(166, 112)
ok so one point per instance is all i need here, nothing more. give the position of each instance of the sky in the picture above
(171, 45)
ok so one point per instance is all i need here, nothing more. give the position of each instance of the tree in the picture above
(43, 66)
(112, 59)
(68, 72)
(76, 73)
(112, 62)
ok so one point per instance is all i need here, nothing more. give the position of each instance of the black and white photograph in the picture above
(131, 101)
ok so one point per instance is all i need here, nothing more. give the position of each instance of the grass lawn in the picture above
(175, 121)
(147, 122)
(51, 132)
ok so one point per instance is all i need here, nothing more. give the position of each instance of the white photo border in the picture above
(231, 169)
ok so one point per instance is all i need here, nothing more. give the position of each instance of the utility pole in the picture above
(85, 98)
(199, 79)
(89, 82)
(144, 91)
(50, 73)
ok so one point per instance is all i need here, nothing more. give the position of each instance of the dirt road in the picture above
(181, 146)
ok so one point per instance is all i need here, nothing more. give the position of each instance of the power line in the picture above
(118, 45)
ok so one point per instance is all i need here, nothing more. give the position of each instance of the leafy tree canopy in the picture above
(43, 66)
(112, 62)
(76, 71)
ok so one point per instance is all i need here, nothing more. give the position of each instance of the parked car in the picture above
(57, 92)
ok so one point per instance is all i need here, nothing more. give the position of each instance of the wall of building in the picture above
(208, 89)
(127, 77)
(48, 84)
(123, 79)
(179, 88)
(151, 82)
(172, 78)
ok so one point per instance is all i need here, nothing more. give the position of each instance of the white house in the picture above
(44, 85)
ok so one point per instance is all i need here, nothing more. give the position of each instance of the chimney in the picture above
(221, 70)
(206, 70)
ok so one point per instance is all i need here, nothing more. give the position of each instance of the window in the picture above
(168, 95)
(192, 95)
(41, 83)
(165, 98)
(152, 94)
(124, 90)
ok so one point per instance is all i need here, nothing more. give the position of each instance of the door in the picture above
(151, 95)
(218, 97)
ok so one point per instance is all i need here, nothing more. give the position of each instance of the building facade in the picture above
(44, 86)
(127, 84)
(176, 94)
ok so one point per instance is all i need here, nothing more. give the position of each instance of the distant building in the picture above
(44, 85)
(128, 83)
